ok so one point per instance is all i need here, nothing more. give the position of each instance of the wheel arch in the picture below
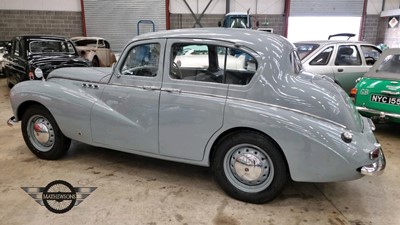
(25, 105)
(236, 130)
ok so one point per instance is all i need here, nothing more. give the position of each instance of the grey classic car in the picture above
(256, 122)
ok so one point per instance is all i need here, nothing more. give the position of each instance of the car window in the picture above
(211, 63)
(142, 60)
(390, 64)
(371, 54)
(304, 49)
(16, 48)
(295, 61)
(348, 55)
(323, 57)
(51, 46)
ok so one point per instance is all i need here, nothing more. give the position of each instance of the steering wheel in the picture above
(370, 60)
(176, 72)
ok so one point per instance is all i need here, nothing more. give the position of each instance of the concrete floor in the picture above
(138, 190)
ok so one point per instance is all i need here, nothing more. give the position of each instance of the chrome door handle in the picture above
(153, 88)
(340, 70)
(171, 90)
(390, 92)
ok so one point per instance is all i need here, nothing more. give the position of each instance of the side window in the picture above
(16, 48)
(323, 57)
(211, 63)
(348, 55)
(371, 54)
(142, 60)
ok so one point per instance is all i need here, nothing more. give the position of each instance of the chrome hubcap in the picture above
(248, 168)
(41, 133)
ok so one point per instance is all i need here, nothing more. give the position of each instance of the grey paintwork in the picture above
(304, 114)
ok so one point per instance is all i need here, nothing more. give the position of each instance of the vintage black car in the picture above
(32, 57)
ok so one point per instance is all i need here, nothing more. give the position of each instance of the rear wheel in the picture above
(42, 134)
(249, 167)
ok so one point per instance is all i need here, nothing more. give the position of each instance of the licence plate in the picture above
(385, 99)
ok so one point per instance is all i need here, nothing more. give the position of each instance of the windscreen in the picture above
(51, 46)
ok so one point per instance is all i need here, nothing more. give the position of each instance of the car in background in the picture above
(32, 57)
(377, 94)
(256, 125)
(95, 49)
(342, 60)
(4, 47)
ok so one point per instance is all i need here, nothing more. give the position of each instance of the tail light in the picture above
(376, 152)
(353, 93)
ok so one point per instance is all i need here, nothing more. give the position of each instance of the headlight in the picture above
(38, 73)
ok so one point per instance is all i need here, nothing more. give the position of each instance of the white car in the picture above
(95, 49)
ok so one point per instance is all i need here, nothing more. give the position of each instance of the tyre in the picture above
(249, 167)
(42, 134)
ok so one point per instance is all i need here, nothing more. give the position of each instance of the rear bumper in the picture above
(378, 113)
(376, 168)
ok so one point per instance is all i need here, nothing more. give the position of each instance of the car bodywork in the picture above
(146, 110)
(33, 53)
(376, 95)
(95, 49)
(343, 61)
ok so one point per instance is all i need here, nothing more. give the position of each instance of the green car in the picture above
(377, 94)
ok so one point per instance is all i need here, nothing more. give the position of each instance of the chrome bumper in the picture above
(375, 168)
(12, 121)
(379, 114)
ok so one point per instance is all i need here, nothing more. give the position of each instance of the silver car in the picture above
(238, 102)
(343, 61)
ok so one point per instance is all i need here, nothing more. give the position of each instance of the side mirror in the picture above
(219, 23)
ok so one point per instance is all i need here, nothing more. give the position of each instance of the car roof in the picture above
(36, 37)
(86, 38)
(327, 42)
(256, 40)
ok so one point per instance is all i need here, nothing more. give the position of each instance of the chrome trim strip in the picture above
(293, 110)
(376, 112)
(390, 92)
(75, 79)
(203, 94)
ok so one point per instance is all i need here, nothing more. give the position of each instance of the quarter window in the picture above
(211, 63)
(323, 57)
(142, 60)
(348, 55)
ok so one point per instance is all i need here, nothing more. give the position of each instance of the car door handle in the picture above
(340, 70)
(153, 88)
(171, 90)
(390, 92)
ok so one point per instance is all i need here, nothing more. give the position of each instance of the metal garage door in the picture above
(116, 20)
(326, 8)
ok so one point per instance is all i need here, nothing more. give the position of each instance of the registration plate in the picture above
(385, 99)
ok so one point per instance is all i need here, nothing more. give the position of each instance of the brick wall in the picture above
(386, 35)
(19, 22)
(371, 29)
(178, 21)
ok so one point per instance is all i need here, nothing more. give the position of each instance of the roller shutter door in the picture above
(312, 8)
(116, 20)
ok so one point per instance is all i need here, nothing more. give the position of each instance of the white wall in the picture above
(219, 6)
(45, 5)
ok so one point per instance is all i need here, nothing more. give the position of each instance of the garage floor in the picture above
(138, 190)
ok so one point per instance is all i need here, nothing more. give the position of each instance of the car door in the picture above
(321, 62)
(348, 66)
(127, 115)
(16, 63)
(192, 98)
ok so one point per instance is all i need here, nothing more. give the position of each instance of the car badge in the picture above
(364, 92)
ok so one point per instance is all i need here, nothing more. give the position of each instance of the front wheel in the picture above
(249, 167)
(42, 134)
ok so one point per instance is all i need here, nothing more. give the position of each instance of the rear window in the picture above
(304, 49)
(390, 64)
